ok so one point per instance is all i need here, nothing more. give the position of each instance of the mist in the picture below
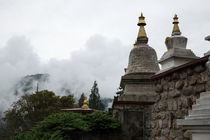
(101, 59)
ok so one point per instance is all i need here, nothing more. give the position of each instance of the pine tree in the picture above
(94, 98)
(81, 99)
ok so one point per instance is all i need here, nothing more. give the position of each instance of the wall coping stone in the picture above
(181, 67)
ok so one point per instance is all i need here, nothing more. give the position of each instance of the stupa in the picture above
(176, 54)
(136, 83)
(133, 106)
(84, 109)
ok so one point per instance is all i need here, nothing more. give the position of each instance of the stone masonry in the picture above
(136, 117)
(152, 100)
(198, 120)
(177, 92)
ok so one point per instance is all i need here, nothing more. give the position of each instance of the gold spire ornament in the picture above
(135, 44)
(168, 43)
(142, 36)
(85, 106)
(176, 30)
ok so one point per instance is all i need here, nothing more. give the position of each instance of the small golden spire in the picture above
(135, 44)
(85, 106)
(142, 36)
(176, 30)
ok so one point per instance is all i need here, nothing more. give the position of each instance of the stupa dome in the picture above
(143, 58)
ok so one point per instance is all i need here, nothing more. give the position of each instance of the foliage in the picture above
(81, 99)
(60, 125)
(30, 109)
(94, 98)
(99, 122)
(67, 101)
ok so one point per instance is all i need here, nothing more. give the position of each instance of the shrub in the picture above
(60, 125)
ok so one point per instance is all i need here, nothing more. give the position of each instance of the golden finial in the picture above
(168, 43)
(142, 36)
(176, 30)
(141, 20)
(135, 44)
(85, 106)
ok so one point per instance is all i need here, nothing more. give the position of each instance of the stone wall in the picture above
(134, 120)
(176, 91)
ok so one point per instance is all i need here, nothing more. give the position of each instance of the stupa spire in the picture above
(85, 106)
(142, 36)
(176, 30)
(135, 44)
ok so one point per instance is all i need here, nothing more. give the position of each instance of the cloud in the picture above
(17, 59)
(101, 59)
(57, 27)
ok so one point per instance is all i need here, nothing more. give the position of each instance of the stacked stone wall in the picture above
(176, 93)
(134, 120)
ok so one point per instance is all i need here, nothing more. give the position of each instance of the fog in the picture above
(100, 59)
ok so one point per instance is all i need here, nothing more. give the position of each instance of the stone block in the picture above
(205, 76)
(162, 106)
(172, 134)
(179, 114)
(189, 71)
(171, 86)
(165, 132)
(183, 75)
(179, 103)
(175, 76)
(205, 95)
(200, 112)
(186, 83)
(165, 123)
(154, 116)
(187, 134)
(200, 80)
(200, 88)
(165, 87)
(172, 105)
(162, 138)
(187, 91)
(164, 95)
(186, 103)
(193, 79)
(154, 124)
(199, 69)
(159, 88)
(201, 106)
(162, 115)
(179, 84)
(174, 93)
(207, 86)
(160, 124)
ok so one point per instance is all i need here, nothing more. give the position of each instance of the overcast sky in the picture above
(79, 41)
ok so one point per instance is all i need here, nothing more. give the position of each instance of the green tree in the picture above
(68, 125)
(67, 101)
(32, 108)
(94, 98)
(81, 99)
